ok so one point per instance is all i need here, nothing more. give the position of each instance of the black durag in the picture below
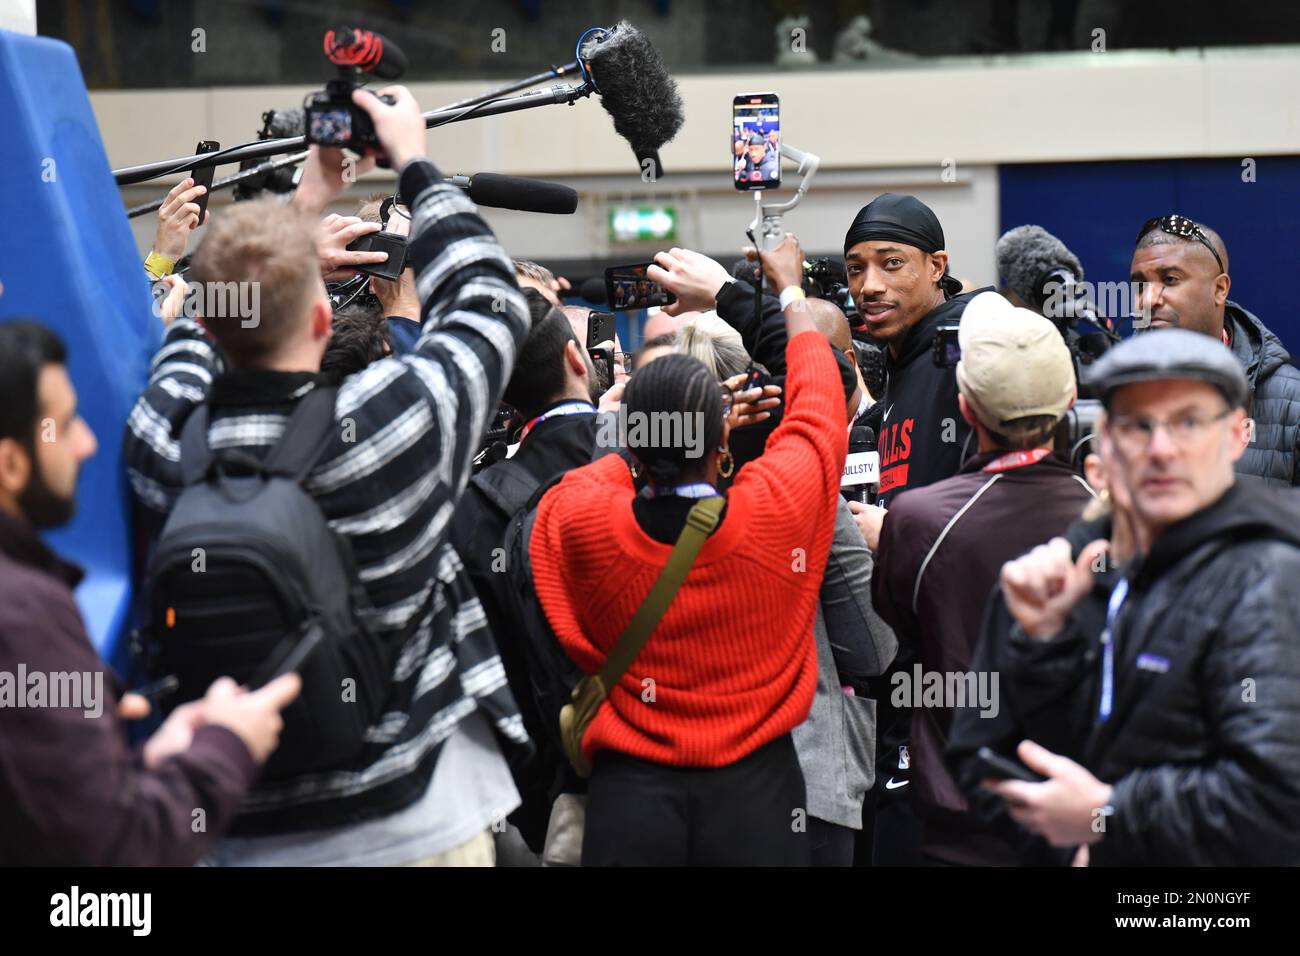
(905, 219)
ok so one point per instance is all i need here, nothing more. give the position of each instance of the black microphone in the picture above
(636, 89)
(513, 192)
(365, 50)
(860, 479)
(590, 290)
(1045, 274)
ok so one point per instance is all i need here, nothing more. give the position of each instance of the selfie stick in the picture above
(767, 226)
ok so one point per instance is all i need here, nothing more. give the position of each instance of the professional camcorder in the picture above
(825, 278)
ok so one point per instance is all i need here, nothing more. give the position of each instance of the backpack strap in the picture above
(701, 521)
(508, 485)
(196, 455)
(306, 434)
(591, 691)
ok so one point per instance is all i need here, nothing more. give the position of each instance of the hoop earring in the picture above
(726, 464)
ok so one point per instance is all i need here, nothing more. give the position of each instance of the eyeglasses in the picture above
(1176, 225)
(1135, 432)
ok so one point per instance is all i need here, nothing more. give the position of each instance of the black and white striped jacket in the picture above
(409, 427)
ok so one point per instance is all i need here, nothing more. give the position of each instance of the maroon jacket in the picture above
(71, 791)
(941, 551)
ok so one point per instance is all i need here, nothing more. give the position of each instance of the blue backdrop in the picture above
(67, 258)
(1097, 208)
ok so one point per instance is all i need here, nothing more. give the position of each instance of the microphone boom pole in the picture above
(553, 73)
(224, 183)
(563, 93)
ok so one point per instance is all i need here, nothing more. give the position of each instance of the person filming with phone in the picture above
(690, 755)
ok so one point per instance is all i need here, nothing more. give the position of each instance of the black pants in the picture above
(750, 813)
(832, 844)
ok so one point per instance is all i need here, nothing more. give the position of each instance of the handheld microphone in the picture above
(635, 88)
(860, 479)
(366, 51)
(514, 192)
(589, 290)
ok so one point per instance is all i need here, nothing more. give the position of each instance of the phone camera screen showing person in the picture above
(628, 288)
(756, 140)
(331, 127)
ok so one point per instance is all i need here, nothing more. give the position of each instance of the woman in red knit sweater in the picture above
(692, 757)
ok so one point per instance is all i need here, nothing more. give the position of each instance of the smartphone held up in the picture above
(756, 141)
(627, 287)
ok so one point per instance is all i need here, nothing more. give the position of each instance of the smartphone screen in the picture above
(756, 140)
(203, 177)
(626, 287)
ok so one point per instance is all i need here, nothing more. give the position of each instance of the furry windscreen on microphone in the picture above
(635, 87)
(282, 123)
(1026, 254)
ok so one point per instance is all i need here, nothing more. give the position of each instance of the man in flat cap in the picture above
(1192, 756)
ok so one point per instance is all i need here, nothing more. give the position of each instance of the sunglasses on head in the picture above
(1184, 228)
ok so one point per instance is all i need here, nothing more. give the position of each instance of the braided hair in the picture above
(679, 386)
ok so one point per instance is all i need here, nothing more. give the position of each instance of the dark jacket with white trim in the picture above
(941, 550)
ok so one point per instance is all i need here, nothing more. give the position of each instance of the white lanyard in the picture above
(1116, 601)
(696, 489)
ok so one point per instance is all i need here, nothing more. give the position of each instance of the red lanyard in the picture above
(1017, 459)
(568, 408)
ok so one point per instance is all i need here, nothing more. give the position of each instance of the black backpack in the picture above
(552, 675)
(248, 580)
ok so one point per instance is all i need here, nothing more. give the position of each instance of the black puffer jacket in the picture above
(1203, 743)
(1274, 404)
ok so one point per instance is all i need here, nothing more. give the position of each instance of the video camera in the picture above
(331, 118)
(825, 278)
(1074, 432)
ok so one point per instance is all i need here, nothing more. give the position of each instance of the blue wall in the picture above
(1097, 208)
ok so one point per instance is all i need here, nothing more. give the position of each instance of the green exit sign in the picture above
(642, 223)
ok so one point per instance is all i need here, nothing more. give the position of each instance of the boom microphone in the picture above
(512, 192)
(1045, 274)
(635, 88)
(366, 51)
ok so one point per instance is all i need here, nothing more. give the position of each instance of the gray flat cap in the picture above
(1169, 354)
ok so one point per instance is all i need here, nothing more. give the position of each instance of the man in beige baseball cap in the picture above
(1015, 377)
(942, 547)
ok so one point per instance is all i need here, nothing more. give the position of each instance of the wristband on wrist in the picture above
(791, 293)
(158, 265)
